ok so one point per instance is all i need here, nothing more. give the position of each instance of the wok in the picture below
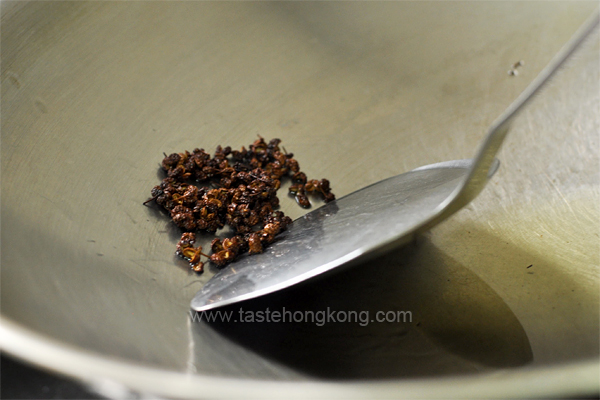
(503, 297)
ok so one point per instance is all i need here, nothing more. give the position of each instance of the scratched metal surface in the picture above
(503, 294)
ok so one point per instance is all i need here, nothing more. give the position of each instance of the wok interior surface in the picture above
(93, 93)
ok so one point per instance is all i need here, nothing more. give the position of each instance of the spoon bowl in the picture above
(360, 225)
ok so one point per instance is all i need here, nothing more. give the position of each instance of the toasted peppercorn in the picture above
(299, 177)
(186, 249)
(242, 195)
(254, 244)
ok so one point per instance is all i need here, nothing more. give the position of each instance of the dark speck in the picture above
(41, 106)
(14, 80)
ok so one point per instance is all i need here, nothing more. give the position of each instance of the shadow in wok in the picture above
(413, 312)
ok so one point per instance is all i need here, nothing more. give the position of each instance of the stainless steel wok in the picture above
(503, 297)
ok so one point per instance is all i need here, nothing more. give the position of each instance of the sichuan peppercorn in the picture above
(243, 196)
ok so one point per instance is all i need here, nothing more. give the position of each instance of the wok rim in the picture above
(109, 375)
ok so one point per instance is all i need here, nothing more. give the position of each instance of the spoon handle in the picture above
(485, 164)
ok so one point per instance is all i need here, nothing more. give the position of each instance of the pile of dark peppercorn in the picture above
(243, 196)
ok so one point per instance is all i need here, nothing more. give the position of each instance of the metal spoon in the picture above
(374, 219)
